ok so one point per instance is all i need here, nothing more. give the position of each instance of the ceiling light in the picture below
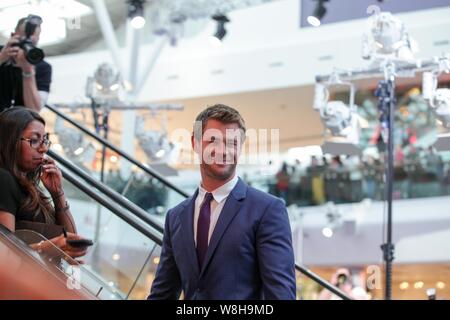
(138, 22)
(221, 31)
(318, 14)
(136, 13)
(327, 232)
(404, 285)
(215, 42)
(313, 21)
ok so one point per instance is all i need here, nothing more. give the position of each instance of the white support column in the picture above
(133, 44)
(129, 116)
(108, 32)
(151, 63)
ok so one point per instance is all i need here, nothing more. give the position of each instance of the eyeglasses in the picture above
(36, 143)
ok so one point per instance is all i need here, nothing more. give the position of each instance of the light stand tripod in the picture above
(101, 123)
(386, 105)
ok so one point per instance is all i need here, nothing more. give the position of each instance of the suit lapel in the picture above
(232, 206)
(187, 229)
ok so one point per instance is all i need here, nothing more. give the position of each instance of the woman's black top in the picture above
(12, 196)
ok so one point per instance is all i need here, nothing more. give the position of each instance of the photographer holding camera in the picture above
(24, 77)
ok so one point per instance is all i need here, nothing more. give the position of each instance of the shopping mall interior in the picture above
(347, 109)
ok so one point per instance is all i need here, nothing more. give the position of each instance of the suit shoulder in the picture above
(261, 196)
(179, 207)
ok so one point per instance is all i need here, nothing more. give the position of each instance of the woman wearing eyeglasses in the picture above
(23, 165)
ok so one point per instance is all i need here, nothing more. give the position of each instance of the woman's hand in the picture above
(62, 244)
(51, 177)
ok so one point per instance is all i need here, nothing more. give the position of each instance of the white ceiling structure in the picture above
(61, 36)
(267, 62)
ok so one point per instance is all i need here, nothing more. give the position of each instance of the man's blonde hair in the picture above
(219, 112)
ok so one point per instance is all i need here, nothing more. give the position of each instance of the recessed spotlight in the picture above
(404, 285)
(318, 14)
(327, 232)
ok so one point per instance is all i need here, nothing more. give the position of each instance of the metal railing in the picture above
(120, 152)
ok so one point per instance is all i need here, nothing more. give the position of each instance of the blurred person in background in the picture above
(343, 280)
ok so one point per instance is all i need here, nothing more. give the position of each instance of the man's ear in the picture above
(195, 144)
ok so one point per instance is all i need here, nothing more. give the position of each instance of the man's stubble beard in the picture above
(223, 176)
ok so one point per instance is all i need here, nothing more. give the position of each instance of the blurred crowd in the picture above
(418, 172)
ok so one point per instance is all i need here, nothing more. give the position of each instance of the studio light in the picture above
(73, 143)
(221, 19)
(438, 98)
(388, 37)
(136, 13)
(105, 85)
(318, 14)
(154, 143)
(339, 118)
(440, 104)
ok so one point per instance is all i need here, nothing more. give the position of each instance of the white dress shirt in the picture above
(220, 196)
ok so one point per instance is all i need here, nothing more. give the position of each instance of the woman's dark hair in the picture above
(13, 122)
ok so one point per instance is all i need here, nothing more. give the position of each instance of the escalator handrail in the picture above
(122, 213)
(109, 192)
(122, 153)
(322, 282)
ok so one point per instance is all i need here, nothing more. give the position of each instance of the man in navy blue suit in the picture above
(228, 240)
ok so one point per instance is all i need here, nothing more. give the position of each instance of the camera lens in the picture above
(34, 55)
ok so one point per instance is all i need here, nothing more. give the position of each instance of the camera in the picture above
(33, 54)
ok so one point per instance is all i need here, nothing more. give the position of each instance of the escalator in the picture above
(127, 238)
(24, 272)
(117, 267)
